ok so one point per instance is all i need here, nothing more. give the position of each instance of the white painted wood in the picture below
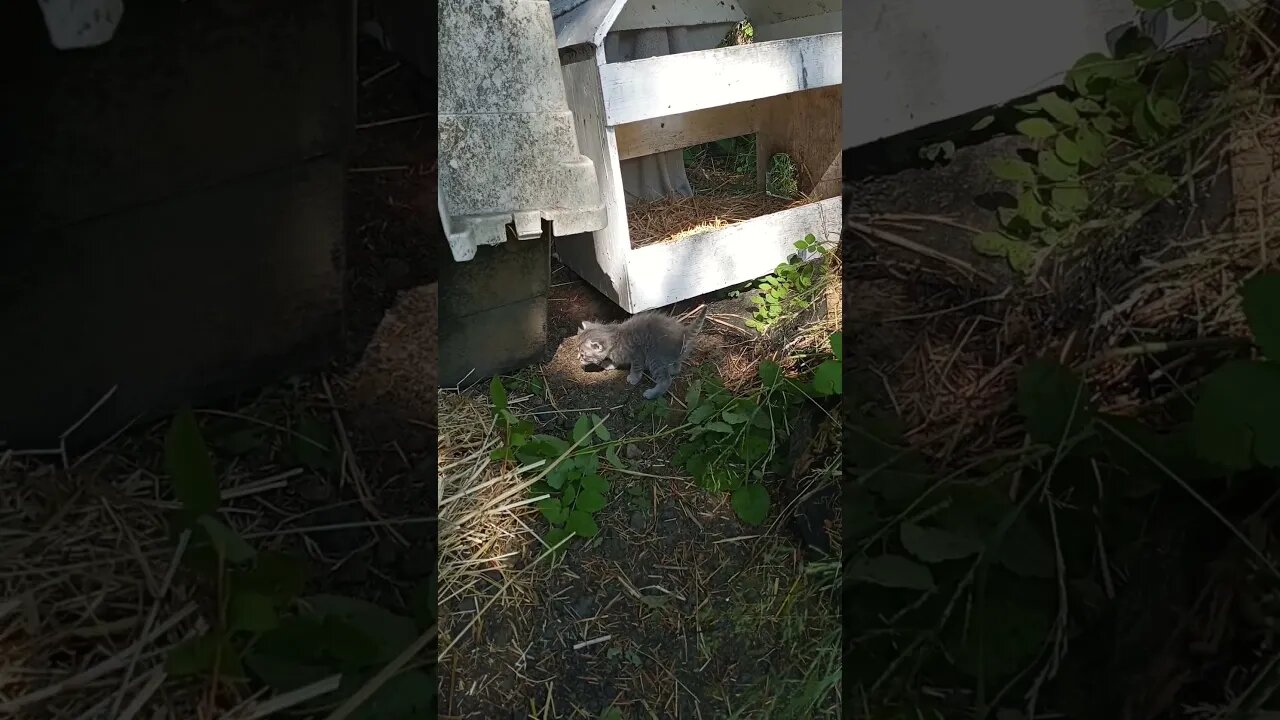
(799, 27)
(676, 132)
(669, 272)
(588, 22)
(909, 63)
(600, 257)
(645, 14)
(671, 84)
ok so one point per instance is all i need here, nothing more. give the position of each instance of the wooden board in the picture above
(798, 27)
(675, 132)
(673, 84)
(806, 126)
(669, 272)
(599, 257)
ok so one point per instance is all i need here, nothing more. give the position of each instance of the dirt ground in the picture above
(699, 612)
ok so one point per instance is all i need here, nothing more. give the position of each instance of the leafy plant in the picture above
(730, 442)
(780, 179)
(574, 488)
(263, 624)
(998, 539)
(1100, 146)
(792, 286)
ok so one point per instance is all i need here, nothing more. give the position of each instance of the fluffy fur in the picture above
(648, 342)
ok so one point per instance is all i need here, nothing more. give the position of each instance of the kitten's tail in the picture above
(691, 333)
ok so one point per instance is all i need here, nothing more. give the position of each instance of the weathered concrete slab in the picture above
(183, 300)
(493, 311)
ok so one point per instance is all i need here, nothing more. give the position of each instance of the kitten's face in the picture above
(594, 341)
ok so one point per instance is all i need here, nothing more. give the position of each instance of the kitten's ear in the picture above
(587, 325)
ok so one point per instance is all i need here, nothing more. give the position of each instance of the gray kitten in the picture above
(648, 341)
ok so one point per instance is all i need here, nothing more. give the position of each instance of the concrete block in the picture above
(493, 311)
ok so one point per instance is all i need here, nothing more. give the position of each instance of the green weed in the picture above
(262, 625)
(793, 285)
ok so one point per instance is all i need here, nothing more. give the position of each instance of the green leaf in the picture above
(1005, 632)
(1087, 106)
(1037, 128)
(732, 417)
(198, 656)
(388, 632)
(1071, 199)
(1053, 400)
(1068, 151)
(770, 373)
(1158, 184)
(1059, 109)
(557, 535)
(1165, 111)
(1022, 257)
(187, 461)
(993, 244)
(611, 713)
(827, 378)
(1215, 12)
(893, 571)
(983, 123)
(1127, 95)
(279, 576)
(407, 696)
(1030, 209)
(285, 675)
(553, 510)
(497, 394)
(837, 345)
(934, 545)
(602, 432)
(590, 501)
(1183, 10)
(719, 427)
(582, 428)
(751, 503)
(1236, 424)
(1053, 168)
(251, 611)
(556, 477)
(1013, 169)
(582, 524)
(1261, 301)
(595, 483)
(226, 542)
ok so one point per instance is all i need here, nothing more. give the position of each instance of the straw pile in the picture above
(484, 509)
(674, 218)
(93, 594)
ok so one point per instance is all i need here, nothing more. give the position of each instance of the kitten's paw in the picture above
(652, 393)
(610, 366)
(634, 379)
